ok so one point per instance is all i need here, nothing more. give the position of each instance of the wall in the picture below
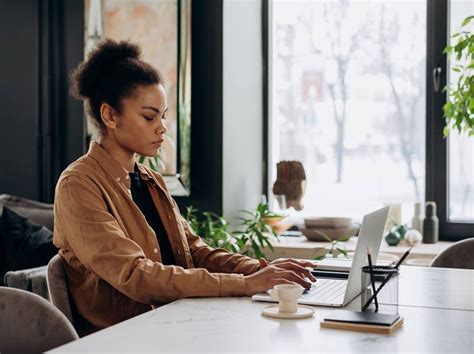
(19, 98)
(226, 167)
(242, 106)
(41, 127)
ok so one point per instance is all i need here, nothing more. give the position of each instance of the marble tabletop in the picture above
(236, 324)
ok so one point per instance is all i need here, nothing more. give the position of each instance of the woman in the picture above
(123, 241)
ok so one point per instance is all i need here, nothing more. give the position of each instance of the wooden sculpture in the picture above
(291, 182)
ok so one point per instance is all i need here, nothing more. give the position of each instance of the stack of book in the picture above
(363, 321)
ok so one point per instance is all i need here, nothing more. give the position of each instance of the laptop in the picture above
(339, 292)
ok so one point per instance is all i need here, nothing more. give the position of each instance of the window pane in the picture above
(460, 147)
(348, 98)
(153, 26)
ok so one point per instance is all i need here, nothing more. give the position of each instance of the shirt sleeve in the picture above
(219, 259)
(84, 224)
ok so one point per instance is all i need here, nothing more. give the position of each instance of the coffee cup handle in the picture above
(274, 294)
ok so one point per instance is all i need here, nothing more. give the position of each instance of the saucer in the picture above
(301, 312)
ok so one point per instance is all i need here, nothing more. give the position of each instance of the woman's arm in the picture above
(220, 260)
(84, 225)
(217, 260)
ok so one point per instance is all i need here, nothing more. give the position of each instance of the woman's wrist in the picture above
(262, 263)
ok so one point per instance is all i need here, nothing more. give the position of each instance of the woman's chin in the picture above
(149, 152)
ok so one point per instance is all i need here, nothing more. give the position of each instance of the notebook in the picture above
(363, 321)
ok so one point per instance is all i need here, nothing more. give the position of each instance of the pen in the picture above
(405, 255)
(371, 270)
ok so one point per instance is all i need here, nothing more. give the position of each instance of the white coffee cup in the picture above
(287, 296)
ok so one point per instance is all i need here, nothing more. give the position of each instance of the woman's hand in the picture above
(282, 271)
(283, 262)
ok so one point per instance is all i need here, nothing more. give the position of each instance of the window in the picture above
(348, 101)
(162, 29)
(152, 25)
(460, 147)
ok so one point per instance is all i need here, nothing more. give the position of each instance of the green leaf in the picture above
(246, 212)
(341, 250)
(269, 244)
(344, 238)
(459, 108)
(325, 236)
(466, 21)
(153, 165)
(255, 248)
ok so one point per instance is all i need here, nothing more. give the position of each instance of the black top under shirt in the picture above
(141, 197)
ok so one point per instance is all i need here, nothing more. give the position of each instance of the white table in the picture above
(437, 305)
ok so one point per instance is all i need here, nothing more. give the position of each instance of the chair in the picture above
(32, 279)
(458, 255)
(57, 286)
(30, 324)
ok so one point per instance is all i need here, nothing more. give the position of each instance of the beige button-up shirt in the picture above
(112, 256)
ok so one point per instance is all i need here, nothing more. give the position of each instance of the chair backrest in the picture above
(40, 213)
(458, 255)
(57, 286)
(30, 323)
(32, 279)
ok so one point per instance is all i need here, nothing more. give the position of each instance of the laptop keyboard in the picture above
(326, 290)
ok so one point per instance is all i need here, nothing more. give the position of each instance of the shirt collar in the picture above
(114, 168)
(109, 164)
(144, 174)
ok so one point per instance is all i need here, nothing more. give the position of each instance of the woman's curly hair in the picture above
(111, 72)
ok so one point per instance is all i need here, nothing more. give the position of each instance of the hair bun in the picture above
(107, 53)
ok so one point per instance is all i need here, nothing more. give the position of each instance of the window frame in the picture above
(436, 169)
(437, 180)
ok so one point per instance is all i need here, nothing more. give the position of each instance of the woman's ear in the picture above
(108, 115)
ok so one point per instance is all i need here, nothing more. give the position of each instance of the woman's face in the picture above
(140, 126)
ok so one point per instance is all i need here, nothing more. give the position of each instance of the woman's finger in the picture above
(300, 262)
(299, 279)
(299, 269)
(303, 263)
(278, 281)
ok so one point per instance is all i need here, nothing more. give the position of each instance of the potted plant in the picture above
(337, 247)
(257, 231)
(212, 228)
(459, 108)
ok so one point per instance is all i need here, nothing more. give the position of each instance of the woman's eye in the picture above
(164, 118)
(148, 118)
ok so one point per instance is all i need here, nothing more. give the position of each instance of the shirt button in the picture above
(155, 250)
(118, 179)
(127, 177)
(169, 217)
(179, 252)
(129, 191)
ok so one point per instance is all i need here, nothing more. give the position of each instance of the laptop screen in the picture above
(370, 236)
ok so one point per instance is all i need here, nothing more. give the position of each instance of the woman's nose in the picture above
(161, 128)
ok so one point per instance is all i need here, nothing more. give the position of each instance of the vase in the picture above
(430, 224)
(417, 221)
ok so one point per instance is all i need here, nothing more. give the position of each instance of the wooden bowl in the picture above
(333, 233)
(327, 222)
(272, 220)
(279, 224)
